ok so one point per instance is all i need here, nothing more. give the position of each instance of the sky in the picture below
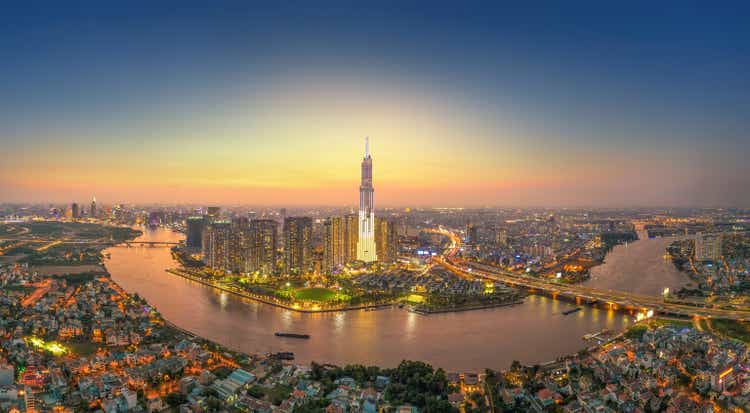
(578, 104)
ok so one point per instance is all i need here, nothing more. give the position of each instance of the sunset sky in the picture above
(466, 104)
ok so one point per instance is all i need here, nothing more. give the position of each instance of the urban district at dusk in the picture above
(426, 207)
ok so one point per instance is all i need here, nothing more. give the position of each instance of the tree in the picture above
(417, 383)
(213, 404)
(175, 399)
(311, 406)
(256, 391)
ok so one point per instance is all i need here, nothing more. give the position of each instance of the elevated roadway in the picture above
(615, 300)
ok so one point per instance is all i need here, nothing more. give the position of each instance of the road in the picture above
(616, 300)
(42, 288)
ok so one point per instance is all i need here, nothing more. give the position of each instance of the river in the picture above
(532, 332)
(639, 267)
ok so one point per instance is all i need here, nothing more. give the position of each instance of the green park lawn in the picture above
(315, 294)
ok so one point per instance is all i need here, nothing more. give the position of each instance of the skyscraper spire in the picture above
(366, 241)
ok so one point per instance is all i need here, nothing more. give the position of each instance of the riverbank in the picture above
(270, 301)
(424, 311)
(383, 337)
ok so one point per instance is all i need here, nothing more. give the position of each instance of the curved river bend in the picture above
(532, 332)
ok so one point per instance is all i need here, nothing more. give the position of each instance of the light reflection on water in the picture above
(223, 299)
(411, 322)
(532, 332)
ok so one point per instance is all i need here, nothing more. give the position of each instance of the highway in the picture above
(616, 300)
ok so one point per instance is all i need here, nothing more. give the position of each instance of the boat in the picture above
(571, 311)
(283, 355)
(598, 335)
(292, 335)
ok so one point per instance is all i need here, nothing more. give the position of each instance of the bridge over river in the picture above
(149, 243)
(615, 300)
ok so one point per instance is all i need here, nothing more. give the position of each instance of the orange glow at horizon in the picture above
(302, 146)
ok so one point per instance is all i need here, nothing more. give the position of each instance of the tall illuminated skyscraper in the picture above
(366, 242)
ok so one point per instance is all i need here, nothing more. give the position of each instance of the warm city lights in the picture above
(374, 207)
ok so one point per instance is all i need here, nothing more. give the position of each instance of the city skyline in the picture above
(584, 105)
(189, 220)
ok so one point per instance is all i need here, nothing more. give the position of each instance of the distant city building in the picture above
(298, 245)
(282, 219)
(74, 213)
(156, 218)
(29, 399)
(92, 212)
(117, 211)
(334, 253)
(241, 222)
(237, 247)
(366, 242)
(213, 212)
(216, 242)
(501, 237)
(472, 234)
(195, 226)
(708, 247)
(240, 247)
(264, 233)
(386, 240)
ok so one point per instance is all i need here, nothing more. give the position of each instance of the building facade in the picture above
(217, 243)
(351, 237)
(708, 247)
(93, 211)
(195, 226)
(298, 245)
(264, 233)
(334, 234)
(386, 240)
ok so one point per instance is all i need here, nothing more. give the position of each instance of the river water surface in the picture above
(532, 332)
(639, 267)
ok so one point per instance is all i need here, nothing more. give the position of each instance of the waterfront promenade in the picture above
(314, 308)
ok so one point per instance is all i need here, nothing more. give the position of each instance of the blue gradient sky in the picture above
(556, 104)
